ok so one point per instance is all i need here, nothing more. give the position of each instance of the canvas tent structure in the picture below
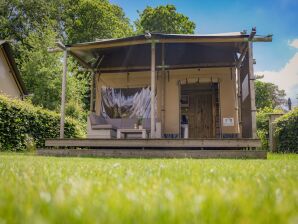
(197, 90)
(11, 83)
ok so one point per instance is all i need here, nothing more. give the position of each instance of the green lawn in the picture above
(91, 190)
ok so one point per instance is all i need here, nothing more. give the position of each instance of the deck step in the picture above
(155, 143)
(155, 153)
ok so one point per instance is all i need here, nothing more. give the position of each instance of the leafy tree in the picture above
(164, 19)
(19, 18)
(269, 95)
(40, 70)
(86, 20)
(269, 99)
(78, 100)
(72, 20)
(35, 25)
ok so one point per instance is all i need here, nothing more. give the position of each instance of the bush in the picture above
(263, 136)
(286, 132)
(263, 125)
(19, 119)
(74, 109)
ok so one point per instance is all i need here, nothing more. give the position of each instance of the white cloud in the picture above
(294, 43)
(286, 78)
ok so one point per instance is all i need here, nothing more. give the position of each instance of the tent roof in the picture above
(100, 43)
(181, 51)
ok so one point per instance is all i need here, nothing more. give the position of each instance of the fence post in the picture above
(272, 140)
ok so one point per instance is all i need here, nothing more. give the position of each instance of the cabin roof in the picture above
(181, 51)
(4, 44)
(101, 43)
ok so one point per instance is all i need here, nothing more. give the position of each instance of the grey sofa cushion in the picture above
(128, 122)
(95, 120)
(103, 126)
(98, 122)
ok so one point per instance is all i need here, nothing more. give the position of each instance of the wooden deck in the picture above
(154, 148)
(155, 143)
(155, 153)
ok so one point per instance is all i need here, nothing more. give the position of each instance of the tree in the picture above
(269, 95)
(164, 19)
(19, 18)
(72, 20)
(35, 25)
(87, 20)
(40, 70)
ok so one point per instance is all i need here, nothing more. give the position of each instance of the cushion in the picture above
(103, 126)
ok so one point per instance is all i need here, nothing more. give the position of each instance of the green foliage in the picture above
(22, 126)
(286, 132)
(29, 143)
(269, 99)
(74, 109)
(41, 71)
(78, 90)
(263, 136)
(164, 19)
(263, 125)
(92, 190)
(86, 20)
(19, 18)
(36, 25)
(268, 95)
(73, 20)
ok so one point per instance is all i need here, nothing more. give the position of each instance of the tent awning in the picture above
(181, 51)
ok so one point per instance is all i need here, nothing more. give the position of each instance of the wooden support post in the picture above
(163, 89)
(272, 140)
(63, 95)
(239, 100)
(271, 131)
(97, 94)
(252, 91)
(92, 92)
(220, 108)
(153, 89)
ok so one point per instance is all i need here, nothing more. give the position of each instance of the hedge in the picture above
(263, 125)
(286, 132)
(21, 122)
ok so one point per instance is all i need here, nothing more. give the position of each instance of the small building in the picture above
(195, 89)
(11, 83)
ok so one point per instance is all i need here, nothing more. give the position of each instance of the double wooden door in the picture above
(201, 115)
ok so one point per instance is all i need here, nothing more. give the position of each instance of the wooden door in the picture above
(201, 116)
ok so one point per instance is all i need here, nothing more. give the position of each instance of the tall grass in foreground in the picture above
(85, 190)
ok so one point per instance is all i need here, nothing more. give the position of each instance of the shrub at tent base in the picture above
(286, 132)
(24, 126)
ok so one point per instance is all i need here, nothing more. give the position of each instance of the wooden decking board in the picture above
(127, 153)
(155, 143)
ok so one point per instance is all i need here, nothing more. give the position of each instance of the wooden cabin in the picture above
(175, 90)
(11, 83)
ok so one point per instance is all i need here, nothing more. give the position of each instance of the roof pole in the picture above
(163, 89)
(252, 91)
(153, 89)
(92, 92)
(239, 97)
(63, 95)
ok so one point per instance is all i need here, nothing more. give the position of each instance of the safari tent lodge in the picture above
(169, 90)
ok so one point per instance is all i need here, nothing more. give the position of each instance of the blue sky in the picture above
(277, 17)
